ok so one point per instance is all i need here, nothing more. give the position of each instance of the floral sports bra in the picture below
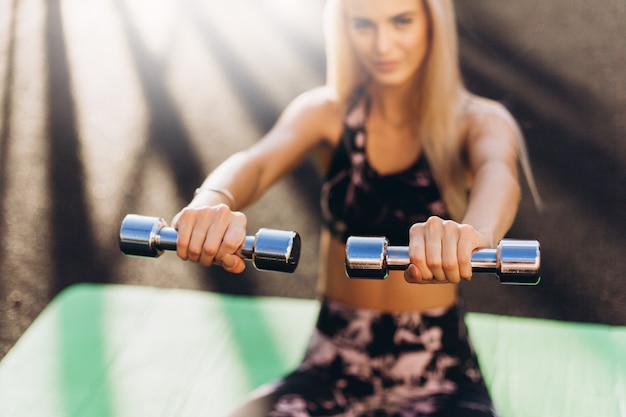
(357, 201)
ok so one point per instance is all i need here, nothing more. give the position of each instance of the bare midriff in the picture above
(392, 294)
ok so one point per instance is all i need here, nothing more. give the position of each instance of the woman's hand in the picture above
(440, 251)
(211, 235)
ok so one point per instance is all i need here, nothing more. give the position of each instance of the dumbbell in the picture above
(269, 249)
(514, 262)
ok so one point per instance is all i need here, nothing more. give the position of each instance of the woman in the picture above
(408, 153)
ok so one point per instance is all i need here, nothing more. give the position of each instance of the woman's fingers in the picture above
(214, 232)
(467, 244)
(231, 242)
(211, 235)
(418, 270)
(440, 251)
(184, 223)
(412, 274)
(449, 253)
(233, 263)
(434, 236)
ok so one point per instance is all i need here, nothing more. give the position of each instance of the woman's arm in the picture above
(440, 250)
(492, 146)
(310, 119)
(209, 229)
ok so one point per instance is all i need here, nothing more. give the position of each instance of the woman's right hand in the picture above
(211, 235)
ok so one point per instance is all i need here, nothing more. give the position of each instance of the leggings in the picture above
(371, 364)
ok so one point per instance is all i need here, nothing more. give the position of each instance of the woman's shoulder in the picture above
(483, 117)
(319, 101)
(321, 110)
(479, 111)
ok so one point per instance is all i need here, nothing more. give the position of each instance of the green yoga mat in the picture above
(117, 351)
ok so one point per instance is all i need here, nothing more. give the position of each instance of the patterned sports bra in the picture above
(358, 201)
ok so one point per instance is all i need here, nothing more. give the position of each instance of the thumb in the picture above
(412, 274)
(233, 263)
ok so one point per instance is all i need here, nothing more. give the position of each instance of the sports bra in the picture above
(357, 201)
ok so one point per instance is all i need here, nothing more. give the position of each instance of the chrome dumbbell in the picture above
(269, 249)
(514, 262)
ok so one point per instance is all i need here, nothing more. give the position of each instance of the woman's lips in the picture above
(386, 66)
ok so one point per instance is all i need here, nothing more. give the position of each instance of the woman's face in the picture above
(389, 37)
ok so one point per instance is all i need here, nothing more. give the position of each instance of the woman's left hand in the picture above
(440, 251)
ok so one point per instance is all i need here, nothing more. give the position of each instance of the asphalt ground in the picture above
(110, 107)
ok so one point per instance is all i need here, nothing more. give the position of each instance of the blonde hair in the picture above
(439, 94)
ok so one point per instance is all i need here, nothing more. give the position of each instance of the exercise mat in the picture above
(117, 351)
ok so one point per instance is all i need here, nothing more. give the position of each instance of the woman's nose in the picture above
(382, 41)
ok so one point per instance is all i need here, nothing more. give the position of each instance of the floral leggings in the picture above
(371, 364)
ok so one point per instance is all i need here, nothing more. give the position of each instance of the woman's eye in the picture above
(361, 24)
(402, 21)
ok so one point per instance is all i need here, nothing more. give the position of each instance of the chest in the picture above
(391, 150)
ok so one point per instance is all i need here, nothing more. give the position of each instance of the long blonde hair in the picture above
(439, 93)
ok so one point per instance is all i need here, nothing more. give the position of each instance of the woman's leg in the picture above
(300, 394)
(366, 363)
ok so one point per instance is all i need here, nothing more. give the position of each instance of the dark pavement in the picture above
(111, 107)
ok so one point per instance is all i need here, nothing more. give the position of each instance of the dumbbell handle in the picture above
(269, 249)
(515, 262)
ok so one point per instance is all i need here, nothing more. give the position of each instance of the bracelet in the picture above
(222, 191)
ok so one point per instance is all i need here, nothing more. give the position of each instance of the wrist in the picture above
(223, 194)
(488, 238)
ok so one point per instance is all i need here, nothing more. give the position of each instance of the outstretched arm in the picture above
(440, 250)
(210, 229)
